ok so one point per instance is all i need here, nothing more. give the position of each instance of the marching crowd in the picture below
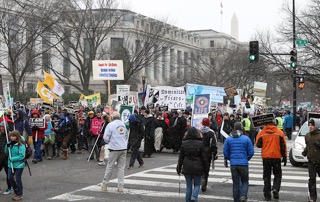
(103, 136)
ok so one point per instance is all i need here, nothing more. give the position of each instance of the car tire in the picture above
(292, 161)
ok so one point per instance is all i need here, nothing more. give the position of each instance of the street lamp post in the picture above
(294, 72)
(143, 81)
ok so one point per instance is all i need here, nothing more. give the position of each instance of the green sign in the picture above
(301, 42)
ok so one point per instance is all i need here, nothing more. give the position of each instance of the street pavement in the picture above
(77, 180)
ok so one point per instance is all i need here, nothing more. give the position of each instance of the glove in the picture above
(226, 163)
(304, 153)
(284, 161)
(8, 145)
(178, 169)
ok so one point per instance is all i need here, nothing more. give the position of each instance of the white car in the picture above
(295, 156)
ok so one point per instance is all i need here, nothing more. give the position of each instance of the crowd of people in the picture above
(103, 137)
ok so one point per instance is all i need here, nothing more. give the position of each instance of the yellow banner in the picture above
(94, 99)
(48, 80)
(45, 93)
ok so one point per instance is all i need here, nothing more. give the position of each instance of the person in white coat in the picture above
(115, 137)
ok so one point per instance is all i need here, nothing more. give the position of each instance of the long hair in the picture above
(192, 134)
(16, 133)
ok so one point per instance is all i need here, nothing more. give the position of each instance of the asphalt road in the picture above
(76, 180)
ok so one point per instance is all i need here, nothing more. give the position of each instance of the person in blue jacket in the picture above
(288, 124)
(16, 153)
(238, 149)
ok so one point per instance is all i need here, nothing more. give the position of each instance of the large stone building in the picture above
(174, 56)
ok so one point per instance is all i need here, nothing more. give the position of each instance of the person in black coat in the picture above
(210, 146)
(149, 129)
(135, 137)
(3, 155)
(192, 162)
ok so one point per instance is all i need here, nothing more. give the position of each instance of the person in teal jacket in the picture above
(16, 163)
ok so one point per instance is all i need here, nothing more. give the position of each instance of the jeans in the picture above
(289, 133)
(135, 155)
(268, 166)
(240, 178)
(313, 169)
(192, 187)
(15, 180)
(37, 148)
(120, 158)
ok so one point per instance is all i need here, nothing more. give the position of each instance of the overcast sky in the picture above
(205, 14)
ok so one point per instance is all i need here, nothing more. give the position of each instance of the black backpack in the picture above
(27, 155)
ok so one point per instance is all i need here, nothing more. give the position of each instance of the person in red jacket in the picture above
(38, 137)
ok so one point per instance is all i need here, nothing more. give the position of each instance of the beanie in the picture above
(206, 122)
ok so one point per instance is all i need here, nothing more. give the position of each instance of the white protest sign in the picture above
(107, 70)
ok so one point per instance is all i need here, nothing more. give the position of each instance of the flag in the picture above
(53, 84)
(125, 112)
(45, 93)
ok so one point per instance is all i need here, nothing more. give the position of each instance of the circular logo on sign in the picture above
(202, 102)
(125, 115)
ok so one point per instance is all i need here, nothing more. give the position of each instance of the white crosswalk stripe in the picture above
(163, 182)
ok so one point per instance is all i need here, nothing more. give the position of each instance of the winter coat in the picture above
(209, 141)
(3, 143)
(192, 158)
(22, 124)
(313, 151)
(227, 126)
(238, 149)
(136, 134)
(272, 141)
(17, 155)
(40, 130)
(288, 121)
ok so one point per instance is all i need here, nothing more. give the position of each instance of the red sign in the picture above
(96, 125)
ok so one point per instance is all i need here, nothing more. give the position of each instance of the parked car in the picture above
(295, 156)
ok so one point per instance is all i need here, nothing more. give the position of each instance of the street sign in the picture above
(301, 42)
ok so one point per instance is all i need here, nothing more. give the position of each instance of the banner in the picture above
(132, 99)
(91, 100)
(6, 96)
(216, 93)
(53, 84)
(201, 105)
(259, 89)
(123, 94)
(262, 120)
(45, 93)
(231, 91)
(107, 70)
(125, 112)
(173, 97)
(96, 125)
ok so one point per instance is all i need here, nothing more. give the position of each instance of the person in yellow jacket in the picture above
(248, 128)
(279, 120)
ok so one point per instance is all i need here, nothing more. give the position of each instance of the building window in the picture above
(67, 89)
(179, 61)
(31, 87)
(164, 62)
(212, 61)
(212, 43)
(186, 58)
(91, 92)
(156, 68)
(138, 24)
(11, 86)
(66, 67)
(116, 48)
(142, 23)
(46, 53)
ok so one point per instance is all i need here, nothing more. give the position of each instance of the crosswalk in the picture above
(163, 184)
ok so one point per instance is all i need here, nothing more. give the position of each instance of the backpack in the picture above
(28, 153)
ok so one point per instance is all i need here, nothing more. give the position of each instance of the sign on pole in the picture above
(107, 70)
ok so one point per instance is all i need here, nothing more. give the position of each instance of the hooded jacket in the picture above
(272, 141)
(238, 149)
(22, 124)
(209, 140)
(38, 131)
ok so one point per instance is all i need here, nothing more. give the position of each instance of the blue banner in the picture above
(201, 105)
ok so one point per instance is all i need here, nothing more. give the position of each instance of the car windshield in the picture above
(304, 130)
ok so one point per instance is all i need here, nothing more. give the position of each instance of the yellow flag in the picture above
(53, 84)
(45, 93)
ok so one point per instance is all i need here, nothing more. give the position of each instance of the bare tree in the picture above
(141, 48)
(83, 31)
(22, 25)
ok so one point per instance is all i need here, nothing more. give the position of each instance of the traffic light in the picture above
(254, 51)
(293, 58)
(301, 83)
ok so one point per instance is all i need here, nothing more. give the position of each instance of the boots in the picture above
(65, 154)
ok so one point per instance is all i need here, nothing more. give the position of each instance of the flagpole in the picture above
(109, 100)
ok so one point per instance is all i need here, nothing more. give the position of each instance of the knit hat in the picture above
(206, 122)
(238, 126)
(311, 122)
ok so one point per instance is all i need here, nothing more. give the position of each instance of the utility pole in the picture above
(294, 71)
